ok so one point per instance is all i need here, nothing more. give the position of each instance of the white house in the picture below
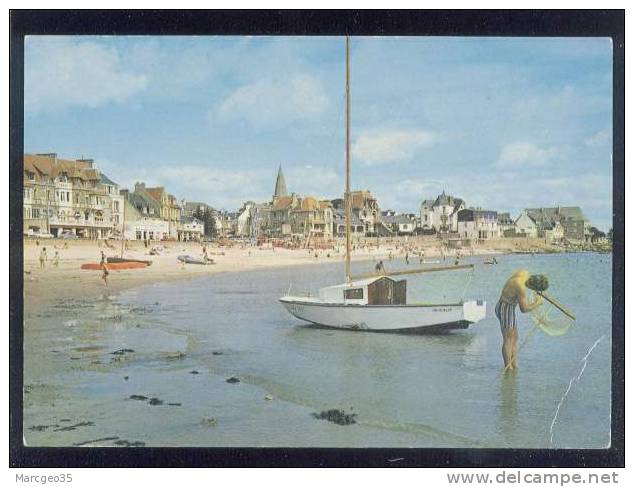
(441, 214)
(141, 223)
(526, 225)
(400, 224)
(243, 223)
(190, 228)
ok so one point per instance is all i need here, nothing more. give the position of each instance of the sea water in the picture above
(178, 343)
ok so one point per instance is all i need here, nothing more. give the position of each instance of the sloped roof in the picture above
(556, 213)
(282, 202)
(156, 193)
(340, 217)
(106, 180)
(360, 197)
(309, 203)
(52, 167)
(280, 184)
(396, 219)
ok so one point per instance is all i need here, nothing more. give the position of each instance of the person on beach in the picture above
(43, 258)
(56, 259)
(514, 294)
(104, 268)
(407, 258)
(379, 267)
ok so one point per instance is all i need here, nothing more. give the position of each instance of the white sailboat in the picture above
(378, 302)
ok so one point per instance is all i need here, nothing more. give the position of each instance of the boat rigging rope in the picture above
(469, 279)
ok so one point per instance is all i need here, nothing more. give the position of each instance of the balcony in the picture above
(80, 222)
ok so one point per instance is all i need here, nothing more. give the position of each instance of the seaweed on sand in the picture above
(337, 416)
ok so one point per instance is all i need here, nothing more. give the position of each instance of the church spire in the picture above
(280, 184)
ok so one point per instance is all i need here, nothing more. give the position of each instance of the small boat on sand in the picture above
(118, 260)
(187, 259)
(115, 266)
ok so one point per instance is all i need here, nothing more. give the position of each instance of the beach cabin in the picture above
(380, 290)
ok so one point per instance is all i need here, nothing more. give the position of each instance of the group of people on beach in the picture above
(44, 258)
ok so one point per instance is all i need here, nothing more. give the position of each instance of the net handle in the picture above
(557, 305)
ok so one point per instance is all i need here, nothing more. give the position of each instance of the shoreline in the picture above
(43, 287)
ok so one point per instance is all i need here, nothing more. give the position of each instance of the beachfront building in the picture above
(551, 231)
(357, 227)
(154, 203)
(477, 224)
(68, 196)
(243, 221)
(441, 214)
(259, 220)
(191, 208)
(525, 226)
(575, 225)
(292, 215)
(311, 218)
(170, 209)
(142, 216)
(365, 208)
(190, 229)
(399, 224)
(506, 225)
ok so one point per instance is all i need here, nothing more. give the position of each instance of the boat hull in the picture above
(117, 266)
(386, 318)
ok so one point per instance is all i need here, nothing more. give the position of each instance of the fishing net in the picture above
(550, 320)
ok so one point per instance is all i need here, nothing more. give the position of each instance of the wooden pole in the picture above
(348, 196)
(419, 270)
(557, 305)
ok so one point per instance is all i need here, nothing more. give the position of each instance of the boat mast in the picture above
(348, 196)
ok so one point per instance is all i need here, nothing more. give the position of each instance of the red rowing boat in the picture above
(115, 266)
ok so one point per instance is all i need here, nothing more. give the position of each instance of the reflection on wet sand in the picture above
(507, 408)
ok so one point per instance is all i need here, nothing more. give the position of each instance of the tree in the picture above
(210, 223)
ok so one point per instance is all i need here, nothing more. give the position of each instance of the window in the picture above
(356, 293)
(138, 235)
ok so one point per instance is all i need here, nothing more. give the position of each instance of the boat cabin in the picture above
(380, 290)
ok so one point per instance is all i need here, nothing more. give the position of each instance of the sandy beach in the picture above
(67, 279)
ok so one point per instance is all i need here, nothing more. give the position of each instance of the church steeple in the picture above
(280, 185)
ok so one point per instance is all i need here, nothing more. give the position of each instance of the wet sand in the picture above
(153, 365)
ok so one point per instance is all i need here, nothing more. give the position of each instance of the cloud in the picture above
(406, 195)
(600, 139)
(315, 180)
(525, 154)
(62, 72)
(273, 102)
(220, 187)
(391, 146)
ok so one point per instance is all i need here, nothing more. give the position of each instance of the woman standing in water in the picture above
(514, 294)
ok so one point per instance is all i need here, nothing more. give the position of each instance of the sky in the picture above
(504, 123)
